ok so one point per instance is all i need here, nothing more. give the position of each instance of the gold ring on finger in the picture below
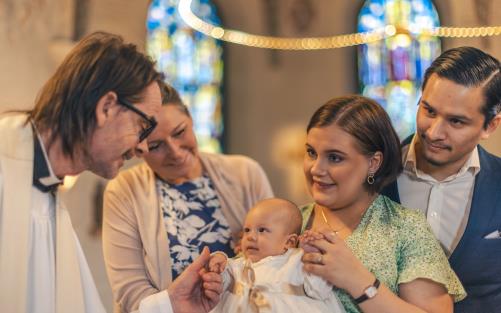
(320, 259)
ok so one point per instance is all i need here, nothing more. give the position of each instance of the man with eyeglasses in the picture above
(95, 112)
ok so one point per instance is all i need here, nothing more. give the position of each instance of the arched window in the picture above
(192, 63)
(391, 71)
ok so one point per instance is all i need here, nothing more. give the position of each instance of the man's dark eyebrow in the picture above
(425, 102)
(452, 116)
(460, 117)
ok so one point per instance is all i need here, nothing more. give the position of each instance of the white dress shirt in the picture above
(156, 303)
(446, 203)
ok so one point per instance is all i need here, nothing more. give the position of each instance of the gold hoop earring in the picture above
(370, 178)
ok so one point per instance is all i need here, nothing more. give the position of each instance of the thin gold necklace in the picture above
(336, 231)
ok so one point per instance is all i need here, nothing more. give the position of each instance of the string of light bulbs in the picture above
(317, 43)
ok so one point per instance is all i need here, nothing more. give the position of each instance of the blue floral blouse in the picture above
(193, 219)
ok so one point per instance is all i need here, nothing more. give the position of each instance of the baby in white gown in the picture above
(270, 277)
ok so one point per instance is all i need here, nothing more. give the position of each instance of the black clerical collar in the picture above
(44, 178)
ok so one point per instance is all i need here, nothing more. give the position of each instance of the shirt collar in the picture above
(409, 161)
(44, 178)
(409, 156)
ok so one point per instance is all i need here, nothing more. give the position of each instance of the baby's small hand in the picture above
(217, 262)
(306, 238)
(313, 234)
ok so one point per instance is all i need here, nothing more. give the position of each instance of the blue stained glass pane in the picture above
(192, 63)
(391, 71)
(184, 51)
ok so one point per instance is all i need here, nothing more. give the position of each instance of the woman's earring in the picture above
(370, 178)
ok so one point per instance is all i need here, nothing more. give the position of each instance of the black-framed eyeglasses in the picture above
(150, 120)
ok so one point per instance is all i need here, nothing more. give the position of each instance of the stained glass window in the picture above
(391, 71)
(192, 63)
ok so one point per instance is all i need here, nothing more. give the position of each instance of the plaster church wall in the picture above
(31, 35)
(269, 97)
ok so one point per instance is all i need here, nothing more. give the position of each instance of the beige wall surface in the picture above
(267, 104)
(27, 33)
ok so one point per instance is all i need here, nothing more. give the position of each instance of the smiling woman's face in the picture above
(173, 152)
(334, 168)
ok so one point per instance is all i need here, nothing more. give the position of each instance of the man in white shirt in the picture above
(94, 112)
(453, 180)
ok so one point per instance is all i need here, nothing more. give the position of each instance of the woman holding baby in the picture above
(380, 256)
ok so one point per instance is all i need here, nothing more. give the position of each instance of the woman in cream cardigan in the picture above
(158, 215)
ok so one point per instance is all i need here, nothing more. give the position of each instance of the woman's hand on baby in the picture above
(337, 264)
(217, 262)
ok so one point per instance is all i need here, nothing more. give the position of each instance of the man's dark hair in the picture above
(99, 63)
(366, 121)
(471, 67)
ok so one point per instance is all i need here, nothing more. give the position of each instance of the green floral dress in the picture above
(397, 246)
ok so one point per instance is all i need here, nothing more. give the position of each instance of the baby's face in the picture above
(264, 234)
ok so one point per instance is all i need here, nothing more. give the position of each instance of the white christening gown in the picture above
(275, 284)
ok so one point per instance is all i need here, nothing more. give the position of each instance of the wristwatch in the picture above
(369, 292)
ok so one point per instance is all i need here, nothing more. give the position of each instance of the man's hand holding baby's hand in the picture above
(217, 262)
